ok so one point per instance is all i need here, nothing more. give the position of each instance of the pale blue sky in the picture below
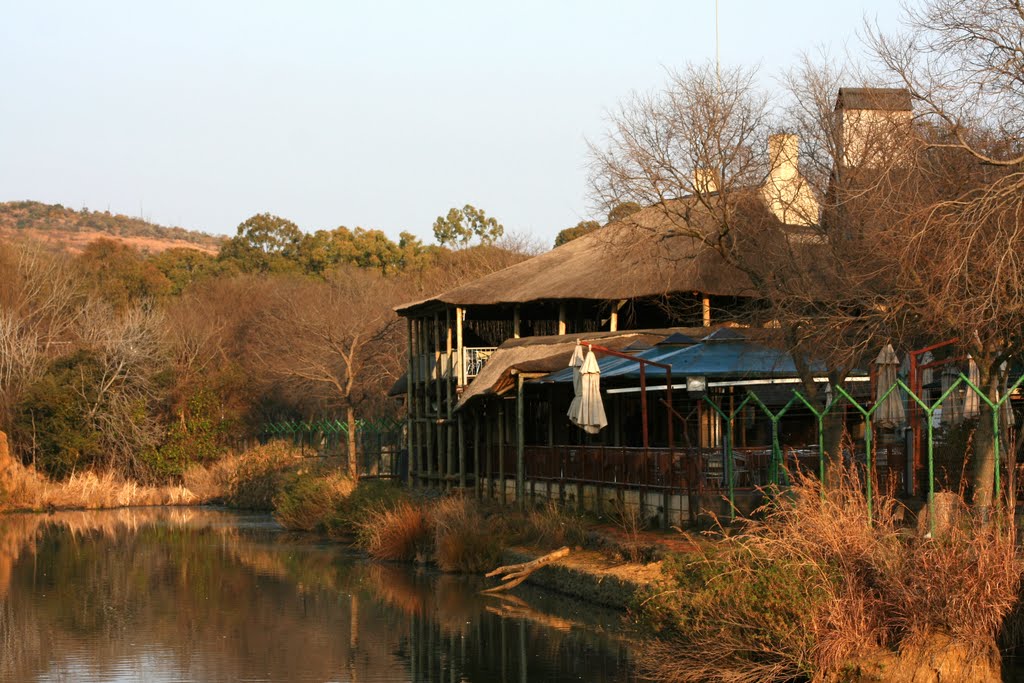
(376, 114)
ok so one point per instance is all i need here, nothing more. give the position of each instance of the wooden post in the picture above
(476, 454)
(438, 431)
(448, 380)
(428, 425)
(409, 407)
(501, 449)
(705, 306)
(462, 453)
(561, 319)
(460, 352)
(613, 321)
(520, 444)
(489, 449)
(515, 322)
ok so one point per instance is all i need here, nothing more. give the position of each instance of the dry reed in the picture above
(463, 539)
(814, 586)
(399, 532)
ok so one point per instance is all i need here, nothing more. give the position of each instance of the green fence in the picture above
(867, 411)
(379, 442)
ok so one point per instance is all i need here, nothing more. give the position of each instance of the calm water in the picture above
(207, 595)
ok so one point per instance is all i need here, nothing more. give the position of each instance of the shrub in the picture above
(308, 500)
(549, 526)
(814, 586)
(368, 498)
(400, 532)
(258, 475)
(463, 540)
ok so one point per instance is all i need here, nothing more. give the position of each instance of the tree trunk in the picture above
(832, 438)
(984, 465)
(350, 418)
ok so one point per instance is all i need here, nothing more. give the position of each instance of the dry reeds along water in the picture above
(197, 594)
(813, 587)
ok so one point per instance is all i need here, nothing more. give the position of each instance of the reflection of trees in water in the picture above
(215, 601)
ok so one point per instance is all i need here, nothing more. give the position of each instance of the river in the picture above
(198, 594)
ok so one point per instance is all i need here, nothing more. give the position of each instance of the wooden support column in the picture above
(476, 454)
(409, 408)
(705, 307)
(515, 322)
(460, 352)
(449, 389)
(462, 453)
(428, 423)
(520, 443)
(438, 429)
(561, 319)
(489, 452)
(501, 450)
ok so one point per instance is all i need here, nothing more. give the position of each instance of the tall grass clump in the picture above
(464, 541)
(308, 499)
(256, 476)
(813, 590)
(549, 526)
(399, 533)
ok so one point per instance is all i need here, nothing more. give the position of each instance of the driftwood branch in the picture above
(515, 574)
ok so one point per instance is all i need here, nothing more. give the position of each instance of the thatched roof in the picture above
(549, 354)
(646, 255)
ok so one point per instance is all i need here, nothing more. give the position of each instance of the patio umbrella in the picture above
(576, 363)
(889, 413)
(952, 407)
(972, 406)
(587, 410)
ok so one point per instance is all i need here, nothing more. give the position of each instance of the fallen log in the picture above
(515, 574)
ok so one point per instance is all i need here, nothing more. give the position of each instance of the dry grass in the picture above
(23, 488)
(812, 587)
(399, 532)
(463, 539)
(549, 526)
(309, 499)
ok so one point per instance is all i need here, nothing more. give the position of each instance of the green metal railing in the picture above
(327, 435)
(777, 472)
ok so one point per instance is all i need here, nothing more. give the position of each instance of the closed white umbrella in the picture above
(587, 409)
(952, 407)
(890, 412)
(576, 363)
(972, 405)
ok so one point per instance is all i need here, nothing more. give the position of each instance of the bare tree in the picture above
(964, 65)
(327, 339)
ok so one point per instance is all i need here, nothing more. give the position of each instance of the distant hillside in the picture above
(72, 230)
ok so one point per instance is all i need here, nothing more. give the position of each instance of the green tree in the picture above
(183, 266)
(579, 230)
(622, 210)
(119, 274)
(264, 243)
(460, 226)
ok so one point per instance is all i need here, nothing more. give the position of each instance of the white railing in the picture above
(476, 358)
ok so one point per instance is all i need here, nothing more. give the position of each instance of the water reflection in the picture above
(207, 595)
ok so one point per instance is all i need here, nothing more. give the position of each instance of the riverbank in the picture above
(811, 589)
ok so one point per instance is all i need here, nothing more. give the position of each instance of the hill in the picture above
(72, 230)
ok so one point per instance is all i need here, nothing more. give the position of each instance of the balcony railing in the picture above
(476, 358)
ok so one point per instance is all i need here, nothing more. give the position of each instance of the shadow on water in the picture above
(189, 594)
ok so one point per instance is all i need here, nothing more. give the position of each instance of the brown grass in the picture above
(549, 526)
(23, 488)
(399, 532)
(308, 500)
(812, 587)
(464, 541)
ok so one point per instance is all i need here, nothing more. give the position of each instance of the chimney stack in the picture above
(785, 191)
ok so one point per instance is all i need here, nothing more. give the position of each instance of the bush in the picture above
(308, 500)
(814, 586)
(368, 498)
(550, 526)
(396, 533)
(463, 540)
(256, 476)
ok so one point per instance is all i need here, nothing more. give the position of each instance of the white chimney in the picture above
(785, 191)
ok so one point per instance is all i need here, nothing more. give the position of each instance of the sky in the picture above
(375, 114)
